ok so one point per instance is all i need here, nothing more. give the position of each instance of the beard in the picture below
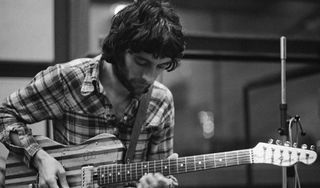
(135, 86)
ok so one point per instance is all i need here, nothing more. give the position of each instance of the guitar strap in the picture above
(140, 117)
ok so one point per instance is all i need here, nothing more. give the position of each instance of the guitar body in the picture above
(103, 149)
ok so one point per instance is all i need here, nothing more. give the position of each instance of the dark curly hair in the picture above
(150, 26)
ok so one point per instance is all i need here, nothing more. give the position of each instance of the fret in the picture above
(144, 168)
(169, 166)
(204, 162)
(110, 174)
(185, 164)
(123, 172)
(161, 166)
(114, 173)
(199, 162)
(130, 171)
(229, 158)
(219, 160)
(209, 161)
(136, 171)
(140, 168)
(173, 168)
(165, 168)
(181, 165)
(126, 171)
(245, 157)
(225, 159)
(190, 164)
(151, 168)
(177, 165)
(237, 158)
(117, 174)
(120, 172)
(106, 174)
(232, 158)
(100, 174)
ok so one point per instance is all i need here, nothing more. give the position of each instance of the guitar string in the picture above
(173, 161)
(215, 160)
(211, 160)
(123, 175)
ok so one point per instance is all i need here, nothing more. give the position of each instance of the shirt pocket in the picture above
(88, 125)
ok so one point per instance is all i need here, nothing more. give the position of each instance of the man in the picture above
(101, 95)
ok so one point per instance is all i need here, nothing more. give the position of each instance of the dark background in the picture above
(227, 89)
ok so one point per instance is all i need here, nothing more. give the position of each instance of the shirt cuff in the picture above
(30, 152)
(28, 145)
(27, 152)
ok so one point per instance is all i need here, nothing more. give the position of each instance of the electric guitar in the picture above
(93, 163)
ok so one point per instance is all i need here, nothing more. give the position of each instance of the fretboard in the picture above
(117, 173)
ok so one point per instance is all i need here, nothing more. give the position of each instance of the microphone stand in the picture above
(287, 172)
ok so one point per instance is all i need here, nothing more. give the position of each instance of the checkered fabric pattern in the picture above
(72, 95)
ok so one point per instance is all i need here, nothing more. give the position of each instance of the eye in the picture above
(141, 62)
(164, 66)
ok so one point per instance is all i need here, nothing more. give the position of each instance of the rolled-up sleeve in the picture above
(42, 98)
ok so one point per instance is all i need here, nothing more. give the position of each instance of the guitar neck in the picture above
(109, 174)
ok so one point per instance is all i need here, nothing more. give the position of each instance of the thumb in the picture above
(63, 179)
(173, 156)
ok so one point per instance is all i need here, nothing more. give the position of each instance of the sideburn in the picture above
(121, 73)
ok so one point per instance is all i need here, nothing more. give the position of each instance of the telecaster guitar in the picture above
(94, 163)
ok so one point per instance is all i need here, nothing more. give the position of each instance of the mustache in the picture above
(140, 82)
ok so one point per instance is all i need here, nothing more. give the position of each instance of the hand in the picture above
(51, 172)
(157, 180)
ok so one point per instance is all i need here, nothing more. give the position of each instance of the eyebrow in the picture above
(145, 59)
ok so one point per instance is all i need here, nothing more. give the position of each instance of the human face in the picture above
(140, 70)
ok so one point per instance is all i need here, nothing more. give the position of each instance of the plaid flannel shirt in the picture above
(72, 94)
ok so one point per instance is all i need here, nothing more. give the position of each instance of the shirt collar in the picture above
(91, 80)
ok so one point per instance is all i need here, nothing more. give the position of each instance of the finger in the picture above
(161, 180)
(42, 183)
(146, 180)
(52, 183)
(173, 156)
(142, 182)
(152, 180)
(174, 180)
(62, 178)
